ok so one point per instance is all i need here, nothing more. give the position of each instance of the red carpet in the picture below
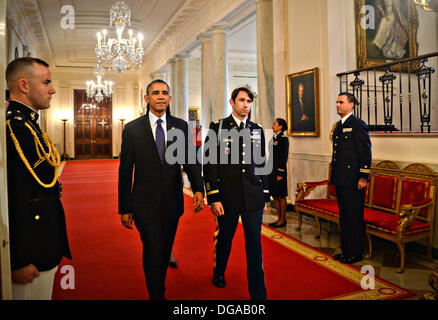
(107, 257)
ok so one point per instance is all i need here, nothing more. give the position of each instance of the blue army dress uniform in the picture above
(36, 216)
(242, 193)
(351, 160)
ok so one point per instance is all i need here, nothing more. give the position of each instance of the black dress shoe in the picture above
(272, 224)
(219, 280)
(280, 225)
(339, 256)
(351, 260)
(173, 264)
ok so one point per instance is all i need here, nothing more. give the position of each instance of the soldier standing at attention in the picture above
(235, 189)
(36, 217)
(350, 168)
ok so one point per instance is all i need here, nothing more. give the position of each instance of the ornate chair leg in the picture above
(300, 221)
(401, 248)
(370, 246)
(318, 226)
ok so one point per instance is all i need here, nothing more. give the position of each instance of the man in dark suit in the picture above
(303, 114)
(155, 200)
(236, 188)
(36, 217)
(350, 168)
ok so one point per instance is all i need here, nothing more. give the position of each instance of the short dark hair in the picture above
(350, 97)
(7, 95)
(237, 90)
(17, 66)
(281, 122)
(156, 81)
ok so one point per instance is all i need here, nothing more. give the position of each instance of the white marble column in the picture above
(265, 62)
(182, 85)
(280, 63)
(172, 83)
(206, 79)
(220, 70)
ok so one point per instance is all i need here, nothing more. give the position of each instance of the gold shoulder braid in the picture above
(52, 156)
(332, 131)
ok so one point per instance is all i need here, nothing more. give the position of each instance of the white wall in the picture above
(321, 33)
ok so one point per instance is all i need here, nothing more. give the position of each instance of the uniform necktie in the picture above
(242, 126)
(160, 140)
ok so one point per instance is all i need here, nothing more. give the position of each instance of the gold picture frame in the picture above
(303, 114)
(385, 40)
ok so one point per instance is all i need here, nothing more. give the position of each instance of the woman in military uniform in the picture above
(278, 176)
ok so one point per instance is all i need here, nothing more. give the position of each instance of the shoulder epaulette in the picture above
(216, 121)
(15, 115)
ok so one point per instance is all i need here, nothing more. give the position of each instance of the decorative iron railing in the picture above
(407, 84)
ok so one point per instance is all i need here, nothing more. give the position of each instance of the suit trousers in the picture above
(157, 237)
(226, 228)
(351, 211)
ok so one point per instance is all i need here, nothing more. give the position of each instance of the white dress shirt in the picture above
(346, 117)
(238, 121)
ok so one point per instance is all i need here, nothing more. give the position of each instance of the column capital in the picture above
(182, 56)
(220, 27)
(205, 36)
(259, 1)
(171, 60)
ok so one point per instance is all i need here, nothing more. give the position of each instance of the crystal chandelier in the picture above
(100, 90)
(120, 53)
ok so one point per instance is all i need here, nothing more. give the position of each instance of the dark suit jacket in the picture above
(297, 113)
(157, 186)
(351, 157)
(236, 185)
(36, 217)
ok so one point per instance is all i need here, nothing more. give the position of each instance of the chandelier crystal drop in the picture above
(100, 90)
(120, 54)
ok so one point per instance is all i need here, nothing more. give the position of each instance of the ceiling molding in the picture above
(184, 14)
(31, 14)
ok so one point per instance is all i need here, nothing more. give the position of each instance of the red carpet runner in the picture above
(107, 257)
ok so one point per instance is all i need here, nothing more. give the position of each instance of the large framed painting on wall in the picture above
(303, 103)
(386, 30)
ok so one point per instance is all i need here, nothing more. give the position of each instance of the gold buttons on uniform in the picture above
(244, 145)
(348, 167)
(243, 153)
(37, 217)
(243, 162)
(243, 170)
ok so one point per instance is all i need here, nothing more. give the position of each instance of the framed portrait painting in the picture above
(386, 31)
(302, 89)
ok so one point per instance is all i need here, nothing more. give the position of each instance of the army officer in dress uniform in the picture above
(350, 168)
(36, 217)
(235, 189)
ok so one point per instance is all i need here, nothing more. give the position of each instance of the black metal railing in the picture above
(381, 84)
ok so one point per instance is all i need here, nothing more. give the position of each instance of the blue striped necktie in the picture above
(160, 140)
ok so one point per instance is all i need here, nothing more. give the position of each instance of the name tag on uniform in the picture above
(347, 129)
